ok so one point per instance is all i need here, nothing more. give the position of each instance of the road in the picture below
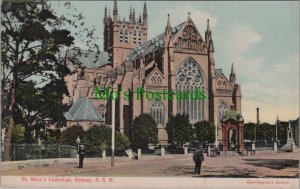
(265, 164)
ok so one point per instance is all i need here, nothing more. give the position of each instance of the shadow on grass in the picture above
(177, 170)
(229, 172)
(277, 164)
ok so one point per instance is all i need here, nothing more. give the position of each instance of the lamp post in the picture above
(216, 135)
(78, 142)
(113, 130)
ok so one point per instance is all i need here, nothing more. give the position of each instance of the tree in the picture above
(179, 129)
(143, 132)
(96, 139)
(264, 131)
(52, 136)
(33, 37)
(204, 131)
(249, 131)
(70, 134)
(18, 134)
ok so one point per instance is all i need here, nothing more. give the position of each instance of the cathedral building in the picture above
(179, 59)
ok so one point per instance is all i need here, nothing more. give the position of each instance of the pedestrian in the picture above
(81, 156)
(198, 159)
(253, 148)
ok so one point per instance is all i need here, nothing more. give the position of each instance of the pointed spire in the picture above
(145, 14)
(168, 28)
(130, 14)
(133, 16)
(105, 12)
(232, 77)
(140, 18)
(115, 11)
(208, 27)
(232, 69)
(208, 36)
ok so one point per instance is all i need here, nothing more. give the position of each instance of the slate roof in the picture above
(151, 45)
(91, 59)
(83, 110)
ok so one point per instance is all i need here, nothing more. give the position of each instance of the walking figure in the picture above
(198, 159)
(81, 156)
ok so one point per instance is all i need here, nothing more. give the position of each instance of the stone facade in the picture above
(179, 59)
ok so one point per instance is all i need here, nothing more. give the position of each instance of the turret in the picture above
(115, 11)
(208, 36)
(168, 30)
(232, 77)
(145, 15)
(130, 14)
(133, 16)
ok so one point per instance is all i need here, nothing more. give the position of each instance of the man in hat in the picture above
(81, 155)
(198, 158)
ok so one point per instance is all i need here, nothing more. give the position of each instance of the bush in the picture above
(179, 129)
(204, 131)
(96, 139)
(143, 131)
(122, 144)
(52, 136)
(70, 135)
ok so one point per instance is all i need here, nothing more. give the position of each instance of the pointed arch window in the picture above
(188, 79)
(222, 109)
(124, 34)
(137, 35)
(156, 79)
(156, 110)
(101, 110)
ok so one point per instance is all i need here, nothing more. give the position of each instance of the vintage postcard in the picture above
(150, 94)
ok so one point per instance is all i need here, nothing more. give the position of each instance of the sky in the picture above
(261, 39)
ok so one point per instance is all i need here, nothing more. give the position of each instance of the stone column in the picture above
(103, 154)
(139, 153)
(185, 150)
(208, 151)
(162, 151)
(275, 146)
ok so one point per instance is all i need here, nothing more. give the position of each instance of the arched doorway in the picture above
(233, 131)
(232, 138)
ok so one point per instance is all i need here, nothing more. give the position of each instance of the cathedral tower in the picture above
(120, 36)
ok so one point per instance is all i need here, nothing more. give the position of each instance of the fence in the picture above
(35, 151)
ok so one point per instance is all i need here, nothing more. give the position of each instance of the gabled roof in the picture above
(83, 110)
(151, 45)
(91, 59)
(152, 70)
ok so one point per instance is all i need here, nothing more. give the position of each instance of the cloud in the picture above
(270, 85)
(274, 91)
(240, 40)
